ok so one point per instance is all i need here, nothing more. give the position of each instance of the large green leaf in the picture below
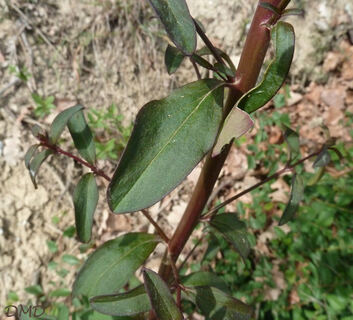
(35, 164)
(123, 304)
(218, 305)
(283, 38)
(82, 136)
(161, 299)
(173, 59)
(169, 138)
(178, 23)
(110, 267)
(60, 122)
(234, 230)
(296, 195)
(85, 203)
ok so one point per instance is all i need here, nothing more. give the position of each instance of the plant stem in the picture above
(276, 175)
(56, 149)
(156, 226)
(250, 64)
(198, 74)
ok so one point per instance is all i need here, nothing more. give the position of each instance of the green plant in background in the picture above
(170, 137)
(44, 105)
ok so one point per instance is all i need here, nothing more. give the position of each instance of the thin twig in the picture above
(156, 226)
(287, 168)
(190, 253)
(196, 68)
(177, 282)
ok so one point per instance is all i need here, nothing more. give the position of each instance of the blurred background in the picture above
(109, 56)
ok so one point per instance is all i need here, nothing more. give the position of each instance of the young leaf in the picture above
(169, 138)
(29, 154)
(234, 232)
(173, 59)
(322, 159)
(296, 195)
(293, 143)
(177, 21)
(213, 303)
(60, 122)
(283, 38)
(206, 51)
(36, 130)
(85, 203)
(203, 278)
(161, 299)
(222, 68)
(110, 267)
(202, 62)
(316, 177)
(241, 124)
(82, 136)
(129, 303)
(36, 162)
(70, 259)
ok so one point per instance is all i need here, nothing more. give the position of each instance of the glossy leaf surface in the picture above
(35, 164)
(82, 136)
(293, 143)
(215, 304)
(296, 195)
(110, 267)
(123, 304)
(161, 299)
(173, 59)
(234, 231)
(169, 138)
(241, 124)
(283, 38)
(85, 203)
(178, 23)
(60, 122)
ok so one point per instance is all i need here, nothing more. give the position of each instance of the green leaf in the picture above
(270, 7)
(234, 231)
(35, 290)
(237, 124)
(173, 59)
(60, 122)
(203, 278)
(35, 164)
(283, 38)
(178, 23)
(82, 136)
(206, 51)
(36, 130)
(293, 143)
(161, 299)
(69, 232)
(202, 62)
(29, 154)
(85, 202)
(296, 195)
(129, 303)
(70, 259)
(52, 246)
(61, 292)
(215, 304)
(322, 159)
(222, 68)
(293, 12)
(170, 137)
(112, 264)
(315, 178)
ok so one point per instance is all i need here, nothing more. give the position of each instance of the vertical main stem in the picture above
(250, 64)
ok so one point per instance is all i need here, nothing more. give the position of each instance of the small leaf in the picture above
(203, 278)
(60, 122)
(293, 143)
(82, 136)
(70, 259)
(129, 303)
(61, 292)
(52, 246)
(283, 37)
(322, 159)
(161, 299)
(36, 130)
(213, 302)
(234, 232)
(222, 68)
(202, 62)
(111, 266)
(316, 177)
(170, 137)
(173, 59)
(206, 51)
(293, 12)
(241, 124)
(35, 290)
(29, 154)
(35, 164)
(270, 7)
(85, 202)
(296, 195)
(69, 232)
(178, 23)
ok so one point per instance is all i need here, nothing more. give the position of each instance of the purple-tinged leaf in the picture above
(162, 301)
